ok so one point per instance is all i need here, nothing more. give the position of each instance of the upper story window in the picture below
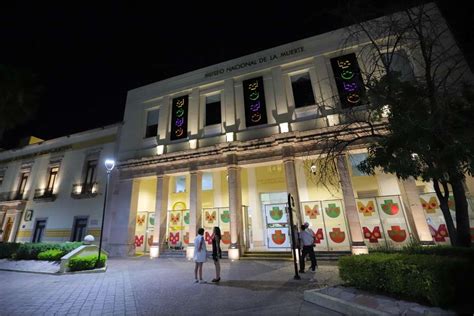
(302, 90)
(22, 183)
(180, 184)
(349, 82)
(2, 175)
(213, 109)
(398, 62)
(152, 123)
(207, 183)
(91, 170)
(355, 160)
(53, 174)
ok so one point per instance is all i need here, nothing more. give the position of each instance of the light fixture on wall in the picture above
(160, 149)
(229, 136)
(313, 168)
(284, 128)
(192, 143)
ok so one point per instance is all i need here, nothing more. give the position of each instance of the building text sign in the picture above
(254, 100)
(348, 80)
(179, 118)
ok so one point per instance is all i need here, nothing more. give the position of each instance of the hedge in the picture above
(449, 251)
(86, 262)
(51, 255)
(8, 249)
(437, 280)
(30, 251)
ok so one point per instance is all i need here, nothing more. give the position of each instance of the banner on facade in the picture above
(254, 100)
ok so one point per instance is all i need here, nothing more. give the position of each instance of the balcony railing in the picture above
(44, 195)
(14, 196)
(84, 190)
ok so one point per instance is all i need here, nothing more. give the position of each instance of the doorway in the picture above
(276, 228)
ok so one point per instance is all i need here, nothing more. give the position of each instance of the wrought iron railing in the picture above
(85, 190)
(44, 194)
(14, 196)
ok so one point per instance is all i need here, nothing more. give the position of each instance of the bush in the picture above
(30, 251)
(438, 280)
(448, 251)
(51, 255)
(8, 249)
(86, 262)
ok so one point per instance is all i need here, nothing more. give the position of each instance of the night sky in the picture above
(88, 56)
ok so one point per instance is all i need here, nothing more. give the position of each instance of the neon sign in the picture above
(348, 80)
(179, 118)
(254, 99)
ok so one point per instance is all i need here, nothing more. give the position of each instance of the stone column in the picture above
(292, 185)
(4, 227)
(414, 211)
(195, 210)
(161, 215)
(235, 208)
(358, 246)
(16, 225)
(124, 212)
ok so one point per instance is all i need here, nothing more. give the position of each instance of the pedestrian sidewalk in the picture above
(351, 301)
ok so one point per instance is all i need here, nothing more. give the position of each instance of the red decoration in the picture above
(186, 238)
(374, 235)
(337, 235)
(208, 238)
(397, 234)
(139, 241)
(174, 238)
(226, 238)
(150, 240)
(278, 237)
(318, 236)
(439, 234)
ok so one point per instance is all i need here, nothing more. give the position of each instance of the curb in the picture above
(101, 270)
(339, 305)
(25, 271)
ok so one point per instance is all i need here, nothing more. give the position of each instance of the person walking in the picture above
(307, 241)
(200, 255)
(216, 252)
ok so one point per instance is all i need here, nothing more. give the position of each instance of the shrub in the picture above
(438, 280)
(51, 255)
(458, 252)
(30, 251)
(8, 249)
(86, 262)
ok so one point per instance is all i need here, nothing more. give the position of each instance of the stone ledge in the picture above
(351, 301)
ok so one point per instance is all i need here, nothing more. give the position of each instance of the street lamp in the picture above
(109, 165)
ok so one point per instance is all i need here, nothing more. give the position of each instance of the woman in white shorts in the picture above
(200, 255)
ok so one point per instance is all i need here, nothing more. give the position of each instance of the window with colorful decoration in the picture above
(254, 100)
(350, 85)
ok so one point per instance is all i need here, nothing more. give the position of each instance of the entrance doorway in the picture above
(276, 228)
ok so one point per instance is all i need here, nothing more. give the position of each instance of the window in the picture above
(40, 227)
(53, 174)
(213, 109)
(90, 176)
(2, 175)
(207, 181)
(152, 123)
(398, 62)
(355, 160)
(180, 184)
(79, 229)
(22, 184)
(302, 90)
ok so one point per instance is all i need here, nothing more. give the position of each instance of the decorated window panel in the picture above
(176, 229)
(393, 220)
(372, 229)
(224, 225)
(312, 213)
(277, 226)
(210, 219)
(435, 218)
(140, 231)
(336, 227)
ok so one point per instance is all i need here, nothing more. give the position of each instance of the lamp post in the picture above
(109, 165)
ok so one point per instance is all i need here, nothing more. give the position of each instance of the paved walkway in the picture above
(165, 286)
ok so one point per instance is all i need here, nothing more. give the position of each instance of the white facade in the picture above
(67, 198)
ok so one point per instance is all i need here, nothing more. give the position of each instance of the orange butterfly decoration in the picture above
(140, 220)
(431, 206)
(368, 209)
(210, 218)
(174, 219)
(311, 212)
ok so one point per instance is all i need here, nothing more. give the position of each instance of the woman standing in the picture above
(217, 252)
(200, 255)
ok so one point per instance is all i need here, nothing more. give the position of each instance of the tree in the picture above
(415, 122)
(19, 94)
